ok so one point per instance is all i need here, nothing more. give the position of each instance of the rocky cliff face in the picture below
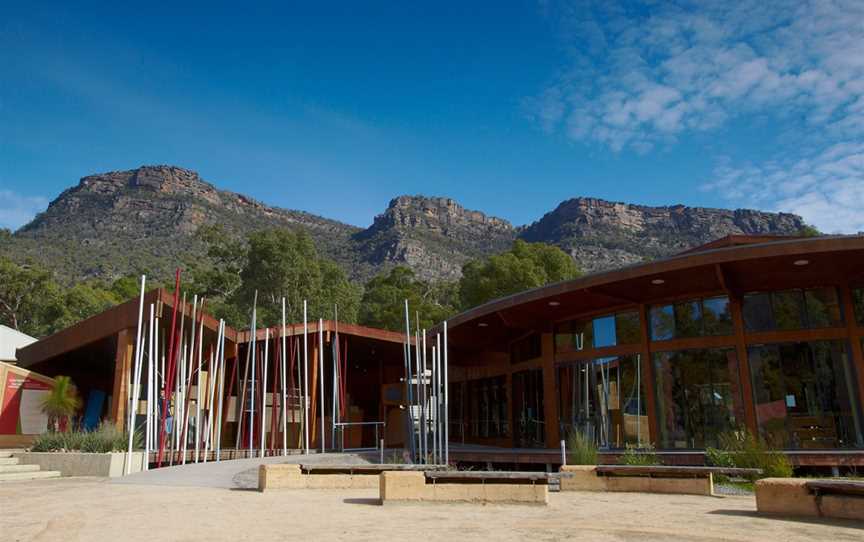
(143, 220)
(433, 236)
(601, 234)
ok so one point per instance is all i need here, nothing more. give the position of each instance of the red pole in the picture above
(171, 353)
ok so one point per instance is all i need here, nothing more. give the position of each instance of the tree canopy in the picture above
(383, 303)
(524, 266)
(275, 263)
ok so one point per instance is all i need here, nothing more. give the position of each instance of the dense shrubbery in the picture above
(742, 449)
(106, 438)
(644, 456)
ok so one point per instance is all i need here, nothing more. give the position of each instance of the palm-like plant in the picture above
(61, 403)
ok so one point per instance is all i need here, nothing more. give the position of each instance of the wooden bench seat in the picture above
(853, 488)
(372, 468)
(492, 477)
(668, 471)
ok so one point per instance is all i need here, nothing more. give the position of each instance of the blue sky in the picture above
(508, 107)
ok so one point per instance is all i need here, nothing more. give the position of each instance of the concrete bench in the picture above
(465, 486)
(646, 479)
(305, 476)
(843, 499)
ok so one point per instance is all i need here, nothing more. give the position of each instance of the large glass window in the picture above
(611, 330)
(526, 348)
(698, 396)
(529, 417)
(604, 399)
(804, 395)
(858, 303)
(692, 318)
(792, 309)
(487, 407)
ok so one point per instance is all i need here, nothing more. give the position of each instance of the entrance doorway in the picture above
(528, 413)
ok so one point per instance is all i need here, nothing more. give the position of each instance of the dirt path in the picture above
(96, 510)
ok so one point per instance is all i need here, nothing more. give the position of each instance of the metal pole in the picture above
(148, 442)
(252, 392)
(563, 453)
(221, 393)
(305, 379)
(423, 399)
(410, 434)
(446, 404)
(198, 381)
(381, 452)
(321, 377)
(264, 388)
(439, 435)
(284, 395)
(136, 377)
(334, 348)
(211, 381)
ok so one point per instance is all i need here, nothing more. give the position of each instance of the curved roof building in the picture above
(758, 332)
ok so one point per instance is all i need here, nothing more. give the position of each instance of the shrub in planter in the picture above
(747, 451)
(645, 456)
(106, 438)
(580, 449)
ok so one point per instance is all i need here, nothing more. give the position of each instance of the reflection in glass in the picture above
(487, 407)
(698, 396)
(716, 316)
(604, 400)
(792, 309)
(858, 304)
(804, 395)
(688, 319)
(604, 331)
(627, 327)
(662, 323)
(574, 336)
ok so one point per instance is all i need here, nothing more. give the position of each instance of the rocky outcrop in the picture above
(602, 234)
(433, 236)
(144, 220)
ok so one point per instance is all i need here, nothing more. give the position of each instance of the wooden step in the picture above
(35, 475)
(8, 460)
(18, 468)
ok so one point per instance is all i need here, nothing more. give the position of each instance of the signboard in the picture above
(21, 412)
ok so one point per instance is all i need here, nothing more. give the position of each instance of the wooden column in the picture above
(550, 396)
(313, 407)
(744, 375)
(648, 377)
(856, 352)
(125, 341)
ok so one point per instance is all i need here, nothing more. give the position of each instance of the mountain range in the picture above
(144, 220)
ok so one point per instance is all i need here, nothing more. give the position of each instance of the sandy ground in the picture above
(95, 510)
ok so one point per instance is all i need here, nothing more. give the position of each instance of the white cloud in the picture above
(648, 73)
(826, 188)
(17, 210)
(651, 71)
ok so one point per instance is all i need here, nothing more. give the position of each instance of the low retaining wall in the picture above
(412, 486)
(585, 478)
(287, 476)
(83, 464)
(790, 497)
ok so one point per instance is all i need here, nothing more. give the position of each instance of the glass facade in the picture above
(528, 409)
(692, 318)
(858, 305)
(792, 309)
(698, 396)
(526, 348)
(804, 395)
(612, 330)
(487, 407)
(604, 399)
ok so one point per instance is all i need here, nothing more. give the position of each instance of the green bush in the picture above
(580, 449)
(106, 438)
(747, 451)
(644, 456)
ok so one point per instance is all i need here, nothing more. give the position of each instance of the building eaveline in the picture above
(757, 332)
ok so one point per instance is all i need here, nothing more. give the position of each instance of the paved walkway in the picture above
(233, 474)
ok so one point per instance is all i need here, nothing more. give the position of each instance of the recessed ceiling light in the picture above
(658, 281)
(482, 324)
(801, 263)
(554, 303)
